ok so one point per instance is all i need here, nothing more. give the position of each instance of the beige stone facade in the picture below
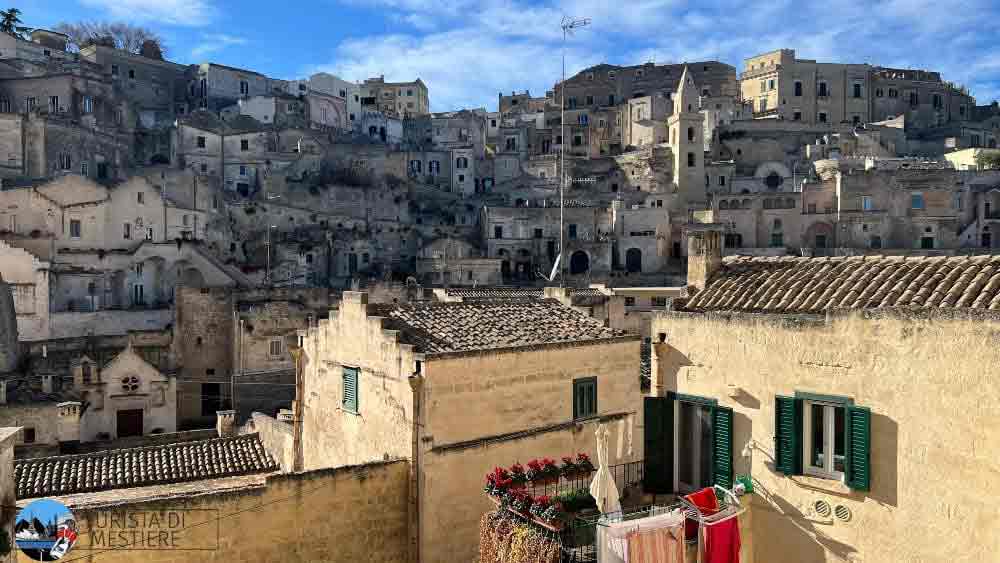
(897, 368)
(456, 415)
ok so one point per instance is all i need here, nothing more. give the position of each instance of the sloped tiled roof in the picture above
(140, 467)
(814, 285)
(491, 293)
(485, 325)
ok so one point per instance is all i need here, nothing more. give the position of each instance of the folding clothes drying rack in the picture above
(729, 508)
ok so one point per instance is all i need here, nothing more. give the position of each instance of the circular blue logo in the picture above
(45, 530)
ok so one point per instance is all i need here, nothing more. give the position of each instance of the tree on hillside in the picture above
(9, 20)
(988, 160)
(127, 37)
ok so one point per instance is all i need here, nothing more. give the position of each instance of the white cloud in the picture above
(175, 12)
(462, 68)
(467, 50)
(213, 42)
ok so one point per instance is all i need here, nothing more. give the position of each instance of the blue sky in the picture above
(469, 50)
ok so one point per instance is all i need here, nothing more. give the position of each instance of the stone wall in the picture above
(42, 417)
(472, 403)
(7, 488)
(928, 383)
(108, 323)
(346, 514)
(276, 435)
(9, 351)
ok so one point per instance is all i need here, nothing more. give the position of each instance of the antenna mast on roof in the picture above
(568, 25)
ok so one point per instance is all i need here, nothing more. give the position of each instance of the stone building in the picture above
(455, 262)
(9, 347)
(124, 397)
(836, 376)
(42, 46)
(216, 86)
(397, 381)
(226, 337)
(780, 86)
(609, 85)
(400, 99)
(332, 86)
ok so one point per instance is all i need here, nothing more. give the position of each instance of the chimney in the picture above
(560, 294)
(225, 423)
(704, 253)
(68, 426)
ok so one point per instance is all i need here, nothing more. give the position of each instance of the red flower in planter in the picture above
(583, 462)
(517, 474)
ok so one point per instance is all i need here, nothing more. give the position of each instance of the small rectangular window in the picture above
(244, 145)
(276, 348)
(84, 169)
(28, 435)
(866, 203)
(822, 117)
(658, 301)
(572, 232)
(149, 233)
(498, 231)
(140, 198)
(916, 201)
(350, 389)
(127, 231)
(630, 301)
(538, 233)
(74, 228)
(201, 142)
(584, 397)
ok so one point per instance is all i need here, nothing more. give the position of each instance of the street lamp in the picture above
(568, 25)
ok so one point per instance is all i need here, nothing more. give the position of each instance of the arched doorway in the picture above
(633, 260)
(579, 262)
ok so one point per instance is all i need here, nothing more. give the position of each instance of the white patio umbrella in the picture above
(603, 488)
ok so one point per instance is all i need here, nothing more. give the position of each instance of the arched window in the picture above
(690, 133)
(461, 163)
(633, 260)
(86, 372)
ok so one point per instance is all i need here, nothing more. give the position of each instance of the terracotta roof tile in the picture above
(140, 467)
(814, 285)
(485, 325)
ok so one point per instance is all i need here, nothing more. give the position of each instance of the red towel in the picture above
(705, 500)
(722, 542)
(707, 503)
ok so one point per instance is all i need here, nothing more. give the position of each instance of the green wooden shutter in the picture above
(584, 397)
(658, 442)
(722, 447)
(788, 435)
(350, 401)
(858, 462)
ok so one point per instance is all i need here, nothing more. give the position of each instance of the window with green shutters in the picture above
(350, 397)
(688, 443)
(824, 436)
(584, 397)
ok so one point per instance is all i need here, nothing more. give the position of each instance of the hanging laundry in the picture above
(662, 545)
(706, 502)
(722, 542)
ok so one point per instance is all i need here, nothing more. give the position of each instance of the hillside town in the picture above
(660, 312)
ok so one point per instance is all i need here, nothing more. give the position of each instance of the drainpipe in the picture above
(416, 385)
(297, 461)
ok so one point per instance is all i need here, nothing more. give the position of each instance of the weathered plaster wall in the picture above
(276, 435)
(934, 414)
(344, 514)
(383, 426)
(476, 397)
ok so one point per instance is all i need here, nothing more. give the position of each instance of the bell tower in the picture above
(687, 142)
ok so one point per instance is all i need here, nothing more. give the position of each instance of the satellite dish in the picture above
(555, 267)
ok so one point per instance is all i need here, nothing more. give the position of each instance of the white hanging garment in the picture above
(621, 439)
(628, 433)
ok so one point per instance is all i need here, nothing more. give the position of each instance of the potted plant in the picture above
(520, 502)
(540, 472)
(548, 512)
(518, 476)
(584, 466)
(497, 482)
(568, 467)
